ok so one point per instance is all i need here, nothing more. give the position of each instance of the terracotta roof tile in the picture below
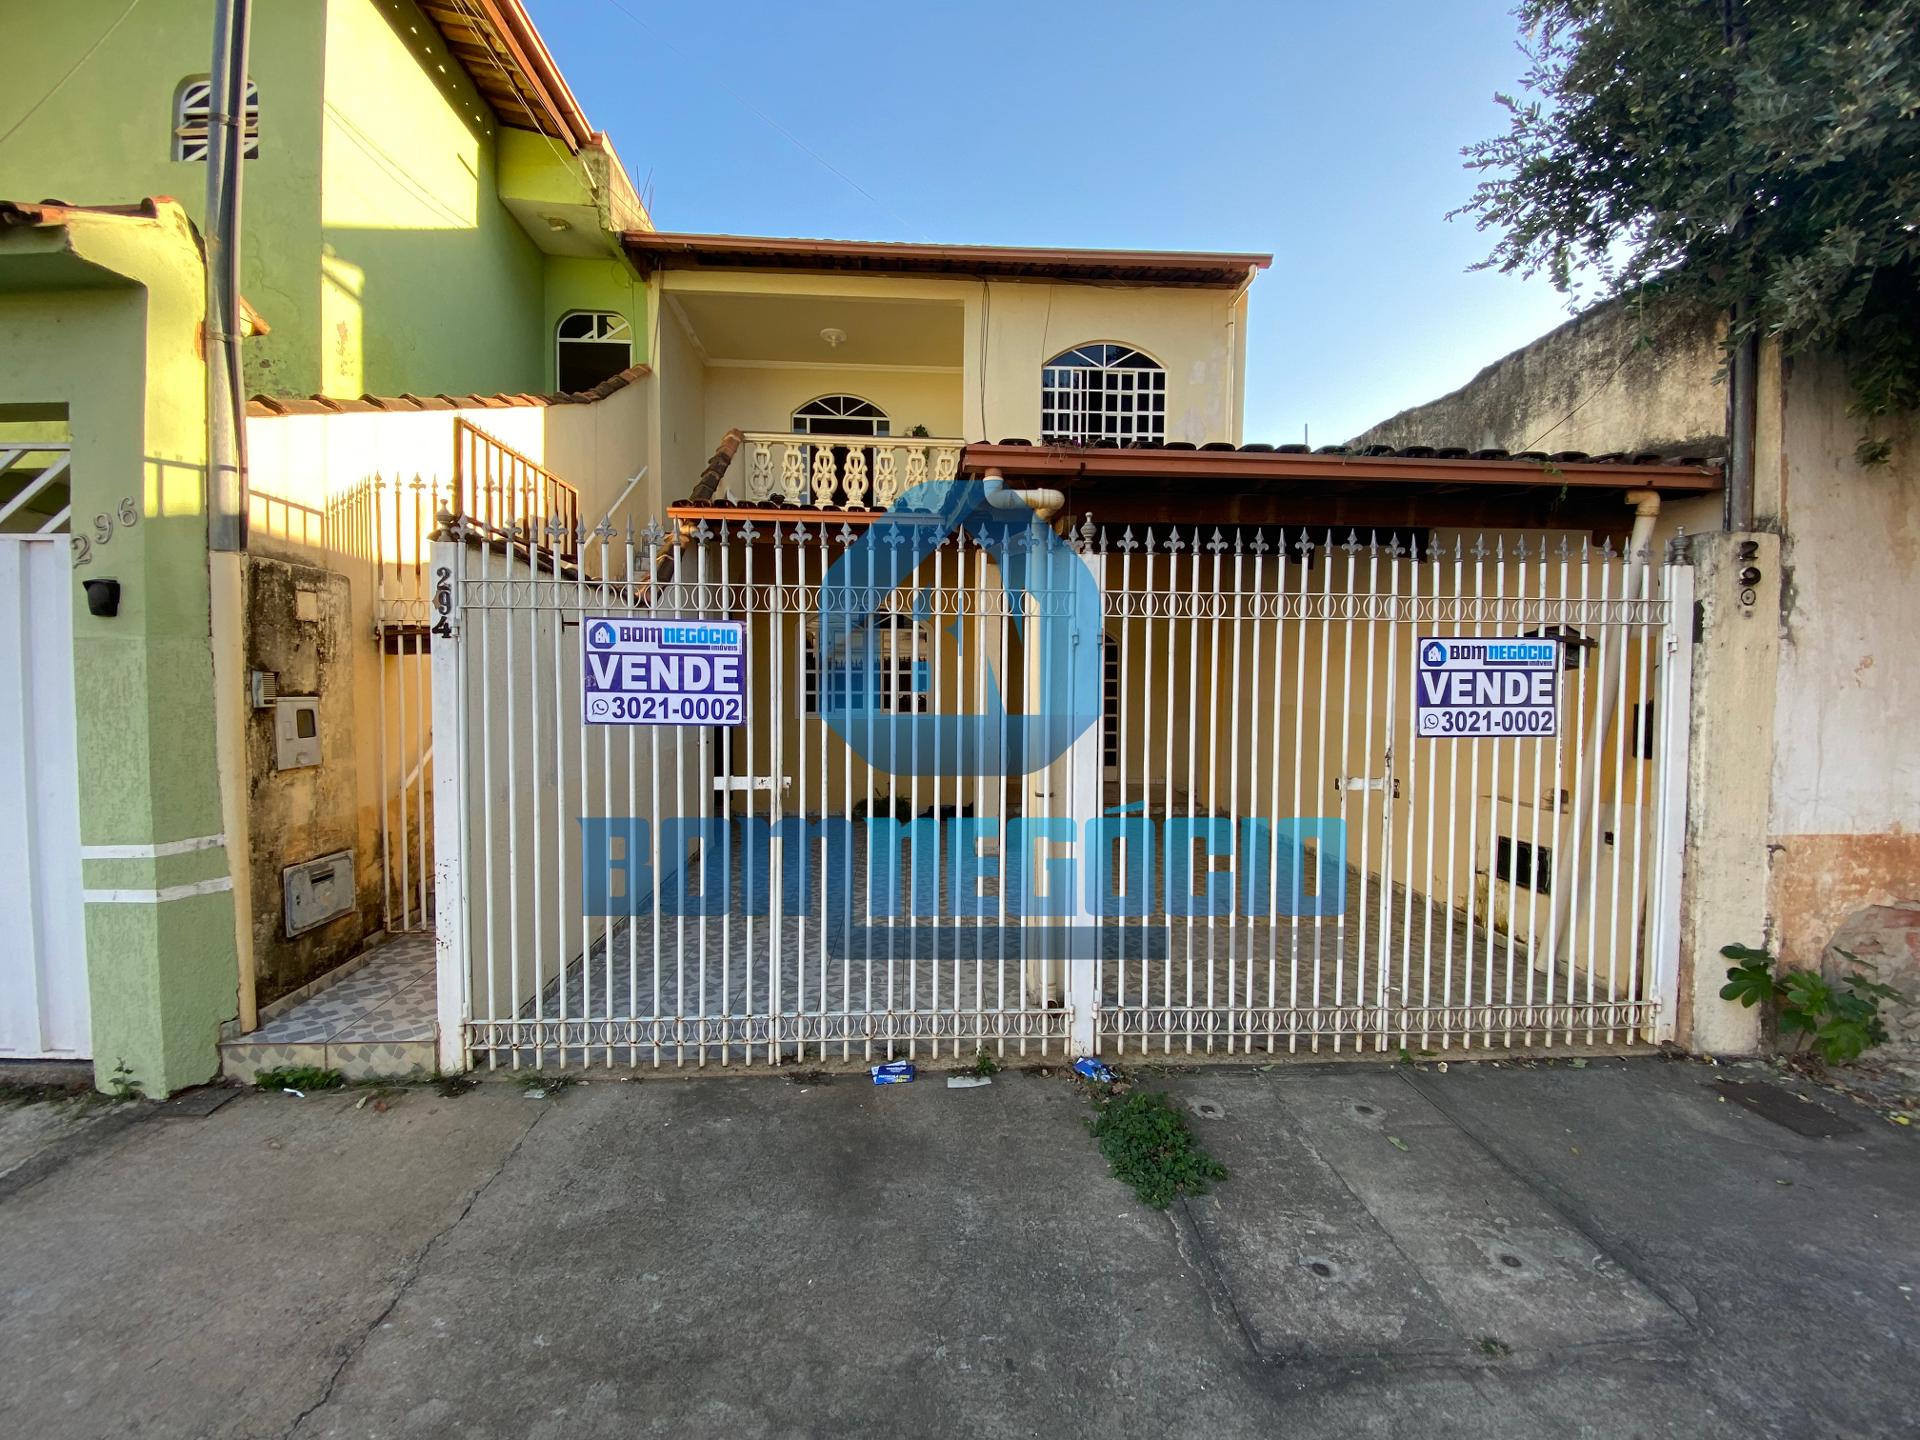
(334, 405)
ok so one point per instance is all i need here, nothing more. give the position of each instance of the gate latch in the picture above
(1363, 782)
(751, 782)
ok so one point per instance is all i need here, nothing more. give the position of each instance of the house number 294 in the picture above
(443, 601)
(124, 516)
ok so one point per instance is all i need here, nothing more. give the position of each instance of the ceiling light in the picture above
(833, 336)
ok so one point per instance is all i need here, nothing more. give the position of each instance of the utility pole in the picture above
(1743, 358)
(226, 167)
(227, 470)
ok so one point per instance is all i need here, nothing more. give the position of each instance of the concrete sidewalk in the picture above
(1615, 1250)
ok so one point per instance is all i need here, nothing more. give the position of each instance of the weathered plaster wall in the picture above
(1846, 767)
(299, 625)
(1620, 377)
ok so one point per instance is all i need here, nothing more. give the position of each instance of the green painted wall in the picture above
(106, 138)
(377, 246)
(427, 281)
(600, 283)
(101, 319)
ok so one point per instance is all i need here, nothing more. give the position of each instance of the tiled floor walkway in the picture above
(378, 1020)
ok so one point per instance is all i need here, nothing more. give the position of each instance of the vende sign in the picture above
(663, 672)
(1473, 687)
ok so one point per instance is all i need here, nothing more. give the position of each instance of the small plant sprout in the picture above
(1837, 1023)
(1147, 1144)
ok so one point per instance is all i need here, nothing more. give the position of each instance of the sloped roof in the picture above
(403, 404)
(655, 249)
(497, 44)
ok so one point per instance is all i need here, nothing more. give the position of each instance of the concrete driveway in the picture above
(1614, 1250)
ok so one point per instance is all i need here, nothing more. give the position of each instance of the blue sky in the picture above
(1326, 134)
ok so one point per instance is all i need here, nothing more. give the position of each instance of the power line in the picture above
(34, 108)
(776, 126)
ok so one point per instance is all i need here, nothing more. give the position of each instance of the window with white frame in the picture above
(590, 346)
(898, 648)
(840, 415)
(1103, 392)
(193, 120)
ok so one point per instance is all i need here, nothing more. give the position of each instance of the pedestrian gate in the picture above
(716, 894)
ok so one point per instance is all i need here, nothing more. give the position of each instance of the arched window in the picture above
(590, 346)
(1103, 392)
(840, 415)
(192, 114)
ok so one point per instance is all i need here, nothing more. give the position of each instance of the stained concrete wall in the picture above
(300, 626)
(1622, 376)
(1845, 821)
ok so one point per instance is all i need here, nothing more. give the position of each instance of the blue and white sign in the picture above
(663, 672)
(1468, 687)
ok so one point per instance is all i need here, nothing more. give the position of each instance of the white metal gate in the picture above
(1497, 892)
(44, 1009)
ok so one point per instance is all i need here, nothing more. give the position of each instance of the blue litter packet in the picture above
(895, 1072)
(1093, 1069)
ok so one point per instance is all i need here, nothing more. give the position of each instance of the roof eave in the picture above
(1243, 466)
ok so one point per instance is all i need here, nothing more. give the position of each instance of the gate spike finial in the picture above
(1127, 542)
(1479, 551)
(1259, 544)
(703, 532)
(1352, 543)
(1218, 542)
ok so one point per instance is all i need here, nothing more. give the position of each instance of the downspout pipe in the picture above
(1044, 503)
(1646, 512)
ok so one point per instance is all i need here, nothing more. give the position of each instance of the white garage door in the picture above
(43, 967)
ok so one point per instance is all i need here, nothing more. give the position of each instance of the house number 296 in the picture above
(124, 516)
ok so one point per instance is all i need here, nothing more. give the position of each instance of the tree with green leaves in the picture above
(1760, 156)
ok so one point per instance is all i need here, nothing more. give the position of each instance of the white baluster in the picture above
(824, 479)
(854, 482)
(885, 483)
(760, 471)
(793, 475)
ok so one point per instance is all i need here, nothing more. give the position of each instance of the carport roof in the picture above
(1338, 465)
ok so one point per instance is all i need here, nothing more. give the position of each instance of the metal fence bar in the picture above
(1285, 725)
